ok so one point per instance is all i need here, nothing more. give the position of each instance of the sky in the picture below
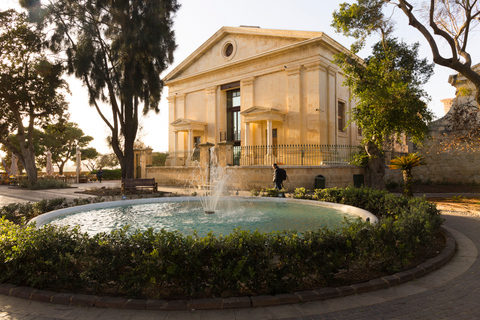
(196, 21)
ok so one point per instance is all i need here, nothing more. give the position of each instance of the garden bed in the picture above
(169, 265)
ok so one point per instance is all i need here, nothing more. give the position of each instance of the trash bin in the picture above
(319, 182)
(358, 180)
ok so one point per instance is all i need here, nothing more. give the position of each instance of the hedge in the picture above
(113, 174)
(169, 265)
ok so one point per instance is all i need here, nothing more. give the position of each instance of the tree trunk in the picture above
(29, 162)
(60, 169)
(407, 180)
(27, 156)
(375, 167)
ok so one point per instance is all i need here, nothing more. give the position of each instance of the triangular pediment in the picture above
(256, 114)
(183, 124)
(256, 110)
(232, 44)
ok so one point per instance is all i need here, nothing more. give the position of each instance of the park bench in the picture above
(129, 184)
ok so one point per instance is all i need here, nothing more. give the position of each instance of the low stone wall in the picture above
(450, 167)
(260, 177)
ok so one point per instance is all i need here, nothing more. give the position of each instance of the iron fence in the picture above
(296, 155)
(300, 155)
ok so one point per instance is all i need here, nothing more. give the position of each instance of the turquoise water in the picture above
(189, 216)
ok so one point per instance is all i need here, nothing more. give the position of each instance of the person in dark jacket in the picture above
(276, 179)
(100, 175)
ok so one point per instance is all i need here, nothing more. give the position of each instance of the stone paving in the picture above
(451, 292)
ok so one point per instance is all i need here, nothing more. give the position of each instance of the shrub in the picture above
(44, 184)
(169, 265)
(110, 174)
(254, 193)
(301, 193)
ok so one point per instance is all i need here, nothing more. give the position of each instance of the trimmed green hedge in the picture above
(169, 265)
(115, 174)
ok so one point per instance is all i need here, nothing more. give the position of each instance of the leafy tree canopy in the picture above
(61, 139)
(118, 49)
(449, 22)
(31, 88)
(387, 89)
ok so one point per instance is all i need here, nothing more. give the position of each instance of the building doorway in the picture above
(233, 117)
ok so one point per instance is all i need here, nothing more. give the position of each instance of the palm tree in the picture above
(406, 163)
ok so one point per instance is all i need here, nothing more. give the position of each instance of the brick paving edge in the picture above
(237, 302)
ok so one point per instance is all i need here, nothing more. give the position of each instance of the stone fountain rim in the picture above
(43, 218)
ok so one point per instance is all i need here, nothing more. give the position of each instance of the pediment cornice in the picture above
(183, 124)
(304, 37)
(256, 114)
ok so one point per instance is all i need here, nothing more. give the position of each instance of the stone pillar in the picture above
(247, 134)
(205, 154)
(247, 93)
(205, 159)
(294, 124)
(332, 106)
(269, 157)
(171, 139)
(190, 139)
(212, 130)
(225, 154)
(180, 108)
(316, 110)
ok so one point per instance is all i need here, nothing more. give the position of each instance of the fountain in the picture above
(184, 214)
(211, 182)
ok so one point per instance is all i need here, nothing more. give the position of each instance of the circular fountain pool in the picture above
(187, 214)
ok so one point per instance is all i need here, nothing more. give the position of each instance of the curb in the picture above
(84, 300)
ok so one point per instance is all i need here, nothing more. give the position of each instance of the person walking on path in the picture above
(100, 175)
(278, 176)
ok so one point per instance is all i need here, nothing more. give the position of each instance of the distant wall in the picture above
(454, 166)
(259, 177)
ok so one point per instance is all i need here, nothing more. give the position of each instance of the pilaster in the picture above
(294, 104)
(212, 130)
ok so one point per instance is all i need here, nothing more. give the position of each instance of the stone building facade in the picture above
(255, 95)
(250, 86)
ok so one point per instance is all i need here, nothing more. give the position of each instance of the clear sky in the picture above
(196, 21)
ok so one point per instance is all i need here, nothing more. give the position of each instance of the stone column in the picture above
(180, 108)
(247, 134)
(247, 93)
(171, 139)
(294, 124)
(205, 159)
(332, 106)
(205, 154)
(212, 129)
(269, 157)
(316, 109)
(190, 139)
(225, 154)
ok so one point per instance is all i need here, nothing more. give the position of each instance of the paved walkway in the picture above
(452, 292)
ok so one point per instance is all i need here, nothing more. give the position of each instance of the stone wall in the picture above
(260, 177)
(452, 166)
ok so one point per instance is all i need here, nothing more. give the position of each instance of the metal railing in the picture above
(295, 155)
(299, 155)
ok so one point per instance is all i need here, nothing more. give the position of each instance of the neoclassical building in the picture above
(251, 87)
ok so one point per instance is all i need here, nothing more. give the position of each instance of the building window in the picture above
(341, 116)
(229, 49)
(233, 117)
